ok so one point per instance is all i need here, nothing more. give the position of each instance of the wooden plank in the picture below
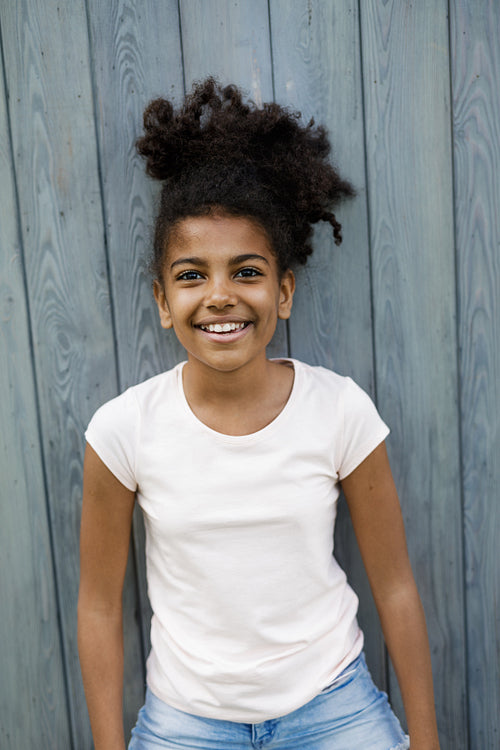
(231, 41)
(475, 55)
(317, 70)
(136, 57)
(406, 86)
(46, 52)
(33, 704)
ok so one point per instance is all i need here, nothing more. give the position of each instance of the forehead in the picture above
(218, 236)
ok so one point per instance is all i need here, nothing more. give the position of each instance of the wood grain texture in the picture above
(136, 56)
(46, 53)
(33, 706)
(317, 71)
(230, 40)
(77, 326)
(475, 31)
(406, 85)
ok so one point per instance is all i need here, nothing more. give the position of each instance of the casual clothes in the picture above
(352, 714)
(252, 615)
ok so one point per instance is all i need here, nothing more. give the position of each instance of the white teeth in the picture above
(222, 327)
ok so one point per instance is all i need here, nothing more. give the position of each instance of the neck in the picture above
(238, 402)
(204, 384)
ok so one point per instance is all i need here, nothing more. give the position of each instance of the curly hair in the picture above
(218, 153)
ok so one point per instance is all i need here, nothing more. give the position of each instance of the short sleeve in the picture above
(113, 434)
(363, 428)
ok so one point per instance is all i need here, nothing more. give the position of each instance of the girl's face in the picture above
(222, 292)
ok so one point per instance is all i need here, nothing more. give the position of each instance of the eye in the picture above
(248, 272)
(189, 276)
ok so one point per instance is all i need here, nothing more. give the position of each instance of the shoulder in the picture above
(340, 390)
(322, 380)
(346, 409)
(140, 396)
(116, 429)
(156, 385)
(124, 413)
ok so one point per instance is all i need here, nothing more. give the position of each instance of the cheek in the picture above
(265, 300)
(182, 304)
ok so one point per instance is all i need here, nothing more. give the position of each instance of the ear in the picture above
(287, 288)
(161, 301)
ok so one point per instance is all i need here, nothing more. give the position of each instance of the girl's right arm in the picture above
(104, 542)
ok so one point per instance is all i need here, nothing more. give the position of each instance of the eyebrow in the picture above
(195, 261)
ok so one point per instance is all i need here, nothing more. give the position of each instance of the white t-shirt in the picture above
(252, 615)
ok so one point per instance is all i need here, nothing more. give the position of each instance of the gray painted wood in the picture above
(136, 57)
(311, 53)
(406, 85)
(317, 69)
(230, 40)
(475, 32)
(56, 168)
(33, 707)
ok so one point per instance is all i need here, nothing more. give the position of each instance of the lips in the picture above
(227, 327)
(227, 330)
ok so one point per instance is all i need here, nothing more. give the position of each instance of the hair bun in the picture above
(218, 150)
(158, 144)
(207, 127)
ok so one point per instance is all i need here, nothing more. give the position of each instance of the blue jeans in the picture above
(351, 714)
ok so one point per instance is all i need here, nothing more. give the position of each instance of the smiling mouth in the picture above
(223, 327)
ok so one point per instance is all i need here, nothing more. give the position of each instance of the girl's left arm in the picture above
(378, 523)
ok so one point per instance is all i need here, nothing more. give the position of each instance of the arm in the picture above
(104, 541)
(378, 524)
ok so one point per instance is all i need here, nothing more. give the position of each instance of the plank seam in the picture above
(101, 195)
(271, 55)
(181, 44)
(370, 261)
(38, 417)
(93, 87)
(273, 89)
(459, 376)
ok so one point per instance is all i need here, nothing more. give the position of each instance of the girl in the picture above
(237, 461)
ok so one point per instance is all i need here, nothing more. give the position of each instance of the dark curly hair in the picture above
(218, 153)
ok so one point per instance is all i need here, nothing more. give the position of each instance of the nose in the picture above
(220, 293)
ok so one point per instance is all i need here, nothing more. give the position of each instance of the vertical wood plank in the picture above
(47, 68)
(230, 40)
(406, 85)
(136, 56)
(33, 705)
(317, 70)
(475, 54)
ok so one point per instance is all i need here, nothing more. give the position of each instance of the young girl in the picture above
(237, 461)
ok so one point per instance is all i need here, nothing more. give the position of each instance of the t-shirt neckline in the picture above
(252, 437)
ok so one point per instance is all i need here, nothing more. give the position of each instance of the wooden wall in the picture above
(409, 305)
